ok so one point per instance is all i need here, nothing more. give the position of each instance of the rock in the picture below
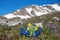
(55, 19)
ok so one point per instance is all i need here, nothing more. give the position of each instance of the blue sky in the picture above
(7, 6)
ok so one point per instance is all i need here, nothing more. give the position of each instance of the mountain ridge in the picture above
(34, 10)
(29, 12)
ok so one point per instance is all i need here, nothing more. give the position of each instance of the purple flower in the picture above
(58, 35)
(48, 24)
(54, 26)
(55, 30)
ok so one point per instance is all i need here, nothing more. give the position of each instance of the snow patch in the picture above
(47, 9)
(9, 16)
(29, 10)
(39, 13)
(56, 7)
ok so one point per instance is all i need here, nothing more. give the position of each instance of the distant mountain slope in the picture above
(33, 10)
(29, 12)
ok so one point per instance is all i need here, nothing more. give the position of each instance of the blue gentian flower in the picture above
(26, 33)
(35, 35)
(21, 30)
(37, 32)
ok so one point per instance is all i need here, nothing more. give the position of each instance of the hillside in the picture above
(48, 15)
(11, 32)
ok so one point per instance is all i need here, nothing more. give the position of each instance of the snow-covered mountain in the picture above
(33, 10)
